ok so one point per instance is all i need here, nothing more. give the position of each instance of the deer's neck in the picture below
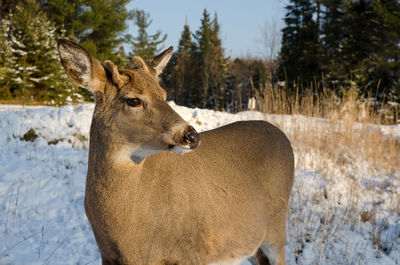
(109, 158)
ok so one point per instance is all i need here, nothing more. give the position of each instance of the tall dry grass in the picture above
(347, 137)
(350, 130)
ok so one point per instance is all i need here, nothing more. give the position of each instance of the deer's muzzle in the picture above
(192, 137)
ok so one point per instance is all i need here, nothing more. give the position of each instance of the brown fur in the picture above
(219, 202)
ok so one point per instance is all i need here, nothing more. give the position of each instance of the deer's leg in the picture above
(261, 258)
(252, 260)
(109, 262)
(272, 250)
(105, 262)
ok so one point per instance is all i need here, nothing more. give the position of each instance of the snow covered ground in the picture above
(348, 214)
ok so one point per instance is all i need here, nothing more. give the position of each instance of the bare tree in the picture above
(270, 40)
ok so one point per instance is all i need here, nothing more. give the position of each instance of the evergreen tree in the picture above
(197, 72)
(183, 74)
(211, 61)
(333, 35)
(7, 60)
(203, 52)
(33, 68)
(357, 42)
(370, 57)
(389, 12)
(7, 6)
(218, 65)
(185, 43)
(145, 45)
(98, 25)
(386, 74)
(299, 58)
(123, 60)
(65, 14)
(352, 56)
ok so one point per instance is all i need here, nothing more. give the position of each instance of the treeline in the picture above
(337, 44)
(327, 45)
(333, 45)
(30, 70)
(199, 74)
(196, 75)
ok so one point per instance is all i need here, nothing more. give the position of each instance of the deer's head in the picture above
(131, 111)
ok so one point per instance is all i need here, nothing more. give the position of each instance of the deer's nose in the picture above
(192, 137)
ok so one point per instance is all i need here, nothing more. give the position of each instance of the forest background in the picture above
(329, 51)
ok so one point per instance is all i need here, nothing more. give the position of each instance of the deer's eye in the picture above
(134, 102)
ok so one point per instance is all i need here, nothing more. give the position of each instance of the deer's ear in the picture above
(159, 62)
(82, 69)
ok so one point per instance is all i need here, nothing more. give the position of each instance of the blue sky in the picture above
(240, 20)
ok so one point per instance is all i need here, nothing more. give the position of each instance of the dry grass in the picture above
(343, 141)
(327, 104)
(350, 130)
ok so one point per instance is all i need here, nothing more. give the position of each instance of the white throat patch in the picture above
(181, 149)
(138, 154)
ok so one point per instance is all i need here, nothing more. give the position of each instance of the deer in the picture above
(160, 193)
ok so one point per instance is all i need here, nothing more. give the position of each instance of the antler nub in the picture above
(116, 76)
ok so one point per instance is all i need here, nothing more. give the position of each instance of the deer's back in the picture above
(228, 188)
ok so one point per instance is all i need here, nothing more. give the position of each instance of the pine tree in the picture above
(369, 57)
(357, 44)
(389, 12)
(123, 60)
(98, 25)
(7, 60)
(65, 14)
(183, 75)
(387, 71)
(218, 65)
(145, 45)
(352, 56)
(34, 70)
(211, 61)
(332, 30)
(7, 6)
(203, 52)
(185, 43)
(299, 52)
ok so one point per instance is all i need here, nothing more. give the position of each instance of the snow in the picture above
(42, 183)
